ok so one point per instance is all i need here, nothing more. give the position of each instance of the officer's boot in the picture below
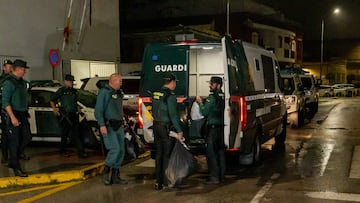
(115, 177)
(105, 175)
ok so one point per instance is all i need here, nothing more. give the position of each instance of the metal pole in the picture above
(322, 48)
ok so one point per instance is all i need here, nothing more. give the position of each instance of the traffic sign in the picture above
(54, 57)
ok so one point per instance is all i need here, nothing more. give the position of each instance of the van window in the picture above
(268, 70)
(239, 77)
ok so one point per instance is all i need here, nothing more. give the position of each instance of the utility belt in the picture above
(21, 114)
(215, 126)
(161, 123)
(114, 124)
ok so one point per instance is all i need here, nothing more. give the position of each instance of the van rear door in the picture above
(239, 85)
(158, 59)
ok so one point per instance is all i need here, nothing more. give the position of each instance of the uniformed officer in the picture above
(165, 115)
(213, 110)
(7, 68)
(68, 116)
(109, 114)
(15, 102)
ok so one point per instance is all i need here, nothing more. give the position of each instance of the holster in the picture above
(115, 124)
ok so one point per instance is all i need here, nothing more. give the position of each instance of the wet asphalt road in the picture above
(315, 168)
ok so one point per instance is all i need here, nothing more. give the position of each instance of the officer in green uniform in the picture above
(109, 114)
(213, 110)
(68, 116)
(15, 103)
(7, 67)
(165, 118)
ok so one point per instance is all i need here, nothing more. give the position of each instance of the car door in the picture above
(43, 123)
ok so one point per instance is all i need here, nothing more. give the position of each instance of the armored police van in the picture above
(254, 107)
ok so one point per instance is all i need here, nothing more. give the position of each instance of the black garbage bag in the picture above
(181, 164)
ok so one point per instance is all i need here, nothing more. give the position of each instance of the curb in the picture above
(56, 177)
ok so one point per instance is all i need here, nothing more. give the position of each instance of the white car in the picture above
(326, 91)
(344, 90)
(44, 125)
(130, 87)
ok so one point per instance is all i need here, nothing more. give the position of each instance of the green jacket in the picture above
(68, 97)
(165, 108)
(2, 80)
(213, 108)
(15, 93)
(109, 105)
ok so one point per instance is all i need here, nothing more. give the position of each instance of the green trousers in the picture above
(115, 144)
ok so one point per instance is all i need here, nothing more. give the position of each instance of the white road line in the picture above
(261, 193)
(334, 196)
(355, 163)
(327, 149)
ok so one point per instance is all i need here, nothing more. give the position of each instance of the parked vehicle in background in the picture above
(326, 91)
(294, 98)
(254, 107)
(344, 90)
(44, 125)
(311, 94)
(130, 87)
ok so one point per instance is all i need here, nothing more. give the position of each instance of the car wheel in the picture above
(96, 136)
(301, 118)
(280, 138)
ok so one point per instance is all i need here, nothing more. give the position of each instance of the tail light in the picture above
(141, 105)
(141, 121)
(241, 101)
(243, 113)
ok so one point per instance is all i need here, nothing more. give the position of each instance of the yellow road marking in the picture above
(28, 190)
(49, 192)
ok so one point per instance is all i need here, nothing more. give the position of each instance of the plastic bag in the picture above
(181, 164)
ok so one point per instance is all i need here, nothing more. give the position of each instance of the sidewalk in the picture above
(48, 166)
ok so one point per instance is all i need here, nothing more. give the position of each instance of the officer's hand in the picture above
(180, 136)
(198, 99)
(56, 112)
(15, 122)
(103, 130)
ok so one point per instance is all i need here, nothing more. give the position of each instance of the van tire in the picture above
(256, 150)
(253, 157)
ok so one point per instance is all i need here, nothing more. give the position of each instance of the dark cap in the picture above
(7, 61)
(20, 63)
(215, 79)
(169, 77)
(69, 77)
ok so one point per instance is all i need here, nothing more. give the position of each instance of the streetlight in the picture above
(335, 12)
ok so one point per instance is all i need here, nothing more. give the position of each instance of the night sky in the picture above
(309, 13)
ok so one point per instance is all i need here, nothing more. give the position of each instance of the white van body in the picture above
(254, 103)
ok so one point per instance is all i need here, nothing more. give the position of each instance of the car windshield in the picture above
(129, 86)
(307, 83)
(87, 98)
(289, 86)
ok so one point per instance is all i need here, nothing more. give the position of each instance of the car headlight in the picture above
(290, 99)
(308, 93)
